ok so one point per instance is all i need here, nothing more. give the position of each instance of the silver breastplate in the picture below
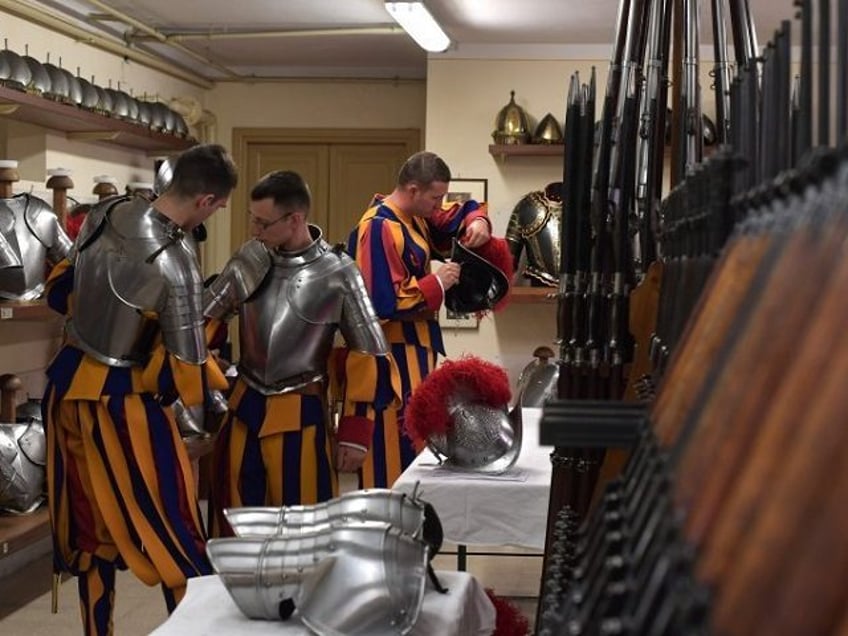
(134, 278)
(31, 238)
(22, 460)
(534, 227)
(287, 327)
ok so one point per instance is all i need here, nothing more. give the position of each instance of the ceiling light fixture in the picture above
(419, 23)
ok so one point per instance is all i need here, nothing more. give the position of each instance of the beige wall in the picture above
(306, 104)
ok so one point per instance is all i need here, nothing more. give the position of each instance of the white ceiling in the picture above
(358, 38)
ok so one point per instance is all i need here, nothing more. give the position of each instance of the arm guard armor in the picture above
(240, 277)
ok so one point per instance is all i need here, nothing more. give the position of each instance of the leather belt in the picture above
(313, 388)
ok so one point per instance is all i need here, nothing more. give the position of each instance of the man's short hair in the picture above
(424, 168)
(287, 188)
(204, 169)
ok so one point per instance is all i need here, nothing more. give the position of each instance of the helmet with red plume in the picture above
(460, 410)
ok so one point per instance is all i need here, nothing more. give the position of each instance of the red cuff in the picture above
(356, 429)
(479, 213)
(432, 291)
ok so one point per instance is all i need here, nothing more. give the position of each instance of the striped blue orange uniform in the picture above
(393, 250)
(120, 486)
(275, 447)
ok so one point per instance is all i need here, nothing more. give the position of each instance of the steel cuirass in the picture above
(136, 275)
(23, 455)
(360, 578)
(31, 237)
(534, 227)
(287, 330)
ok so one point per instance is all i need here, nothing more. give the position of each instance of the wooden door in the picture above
(344, 169)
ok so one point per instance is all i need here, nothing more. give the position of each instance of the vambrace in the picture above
(376, 504)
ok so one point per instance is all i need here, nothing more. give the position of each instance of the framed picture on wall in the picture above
(459, 191)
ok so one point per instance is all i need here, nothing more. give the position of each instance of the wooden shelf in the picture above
(525, 150)
(84, 125)
(533, 295)
(36, 310)
(20, 531)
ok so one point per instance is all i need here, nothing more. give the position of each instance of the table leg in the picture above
(461, 557)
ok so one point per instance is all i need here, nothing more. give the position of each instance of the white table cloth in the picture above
(208, 609)
(503, 510)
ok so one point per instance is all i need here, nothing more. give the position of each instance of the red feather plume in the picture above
(427, 411)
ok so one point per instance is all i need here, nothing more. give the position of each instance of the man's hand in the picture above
(448, 274)
(349, 459)
(477, 233)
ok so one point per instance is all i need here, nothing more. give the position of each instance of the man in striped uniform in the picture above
(393, 244)
(293, 293)
(132, 379)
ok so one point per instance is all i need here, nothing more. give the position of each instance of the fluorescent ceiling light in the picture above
(417, 21)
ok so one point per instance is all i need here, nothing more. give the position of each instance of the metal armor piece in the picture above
(23, 455)
(130, 262)
(512, 125)
(90, 98)
(32, 231)
(538, 380)
(164, 176)
(534, 228)
(363, 578)
(9, 256)
(39, 81)
(60, 88)
(18, 76)
(482, 438)
(376, 504)
(307, 296)
(548, 131)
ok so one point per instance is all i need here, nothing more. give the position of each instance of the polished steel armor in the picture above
(361, 578)
(23, 454)
(375, 504)
(135, 270)
(534, 228)
(9, 256)
(481, 438)
(287, 331)
(31, 231)
(537, 382)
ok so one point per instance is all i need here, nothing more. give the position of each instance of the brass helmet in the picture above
(512, 125)
(548, 131)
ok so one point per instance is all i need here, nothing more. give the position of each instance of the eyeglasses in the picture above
(264, 224)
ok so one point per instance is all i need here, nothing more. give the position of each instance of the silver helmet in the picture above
(460, 410)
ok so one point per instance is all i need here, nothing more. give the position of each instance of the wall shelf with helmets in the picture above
(526, 150)
(83, 125)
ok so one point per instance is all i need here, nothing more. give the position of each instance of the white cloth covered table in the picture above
(208, 609)
(475, 509)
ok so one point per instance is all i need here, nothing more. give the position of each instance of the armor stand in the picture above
(9, 386)
(8, 176)
(60, 182)
(104, 187)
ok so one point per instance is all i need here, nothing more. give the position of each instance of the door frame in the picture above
(243, 138)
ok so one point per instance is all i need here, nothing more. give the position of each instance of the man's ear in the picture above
(205, 200)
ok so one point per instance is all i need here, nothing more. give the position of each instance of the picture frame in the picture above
(459, 191)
